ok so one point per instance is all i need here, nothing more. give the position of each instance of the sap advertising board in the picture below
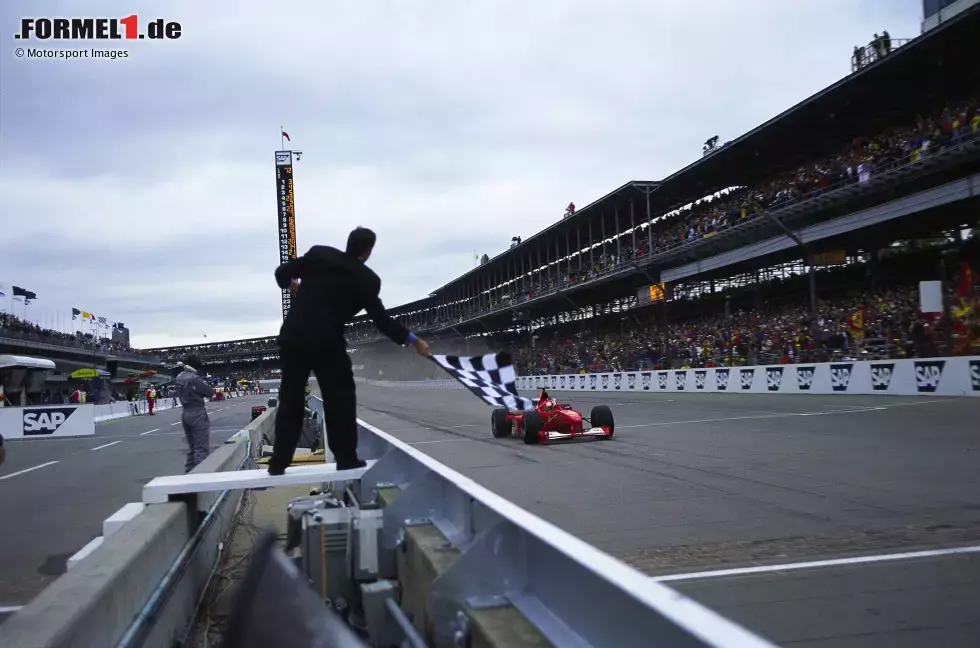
(929, 376)
(45, 422)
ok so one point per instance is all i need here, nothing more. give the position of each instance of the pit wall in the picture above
(921, 377)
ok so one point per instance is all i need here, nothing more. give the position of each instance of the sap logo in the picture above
(45, 421)
(975, 374)
(881, 376)
(840, 376)
(928, 374)
(700, 377)
(774, 378)
(747, 375)
(282, 159)
(592, 382)
(647, 379)
(617, 381)
(662, 379)
(721, 379)
(605, 381)
(631, 381)
(804, 377)
(680, 379)
(581, 382)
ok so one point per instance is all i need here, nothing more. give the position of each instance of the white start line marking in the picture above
(150, 431)
(836, 562)
(106, 445)
(27, 470)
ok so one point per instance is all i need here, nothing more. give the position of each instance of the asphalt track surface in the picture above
(51, 512)
(692, 483)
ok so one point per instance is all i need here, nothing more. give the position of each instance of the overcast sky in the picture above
(142, 189)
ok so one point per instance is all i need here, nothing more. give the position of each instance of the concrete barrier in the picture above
(125, 409)
(98, 602)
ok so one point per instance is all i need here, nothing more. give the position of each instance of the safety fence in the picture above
(953, 376)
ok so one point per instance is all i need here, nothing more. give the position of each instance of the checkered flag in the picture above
(491, 377)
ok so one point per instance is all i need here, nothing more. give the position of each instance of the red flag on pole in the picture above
(286, 135)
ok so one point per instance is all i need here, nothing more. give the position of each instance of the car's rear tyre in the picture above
(602, 416)
(532, 426)
(500, 425)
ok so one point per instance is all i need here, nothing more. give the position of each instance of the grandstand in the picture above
(119, 367)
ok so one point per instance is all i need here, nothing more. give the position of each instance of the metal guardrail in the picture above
(571, 592)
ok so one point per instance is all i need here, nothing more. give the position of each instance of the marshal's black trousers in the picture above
(331, 365)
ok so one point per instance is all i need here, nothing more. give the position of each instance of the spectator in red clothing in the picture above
(151, 397)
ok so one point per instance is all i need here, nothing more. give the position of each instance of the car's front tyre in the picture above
(602, 416)
(532, 428)
(500, 425)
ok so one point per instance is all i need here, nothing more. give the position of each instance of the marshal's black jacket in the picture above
(335, 288)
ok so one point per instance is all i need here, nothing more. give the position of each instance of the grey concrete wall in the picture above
(94, 603)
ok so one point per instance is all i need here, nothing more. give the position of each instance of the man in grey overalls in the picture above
(192, 390)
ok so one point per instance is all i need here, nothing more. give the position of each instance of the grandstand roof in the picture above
(581, 217)
(912, 79)
(204, 344)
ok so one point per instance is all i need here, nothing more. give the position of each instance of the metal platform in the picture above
(161, 489)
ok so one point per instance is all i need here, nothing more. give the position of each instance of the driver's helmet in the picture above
(549, 405)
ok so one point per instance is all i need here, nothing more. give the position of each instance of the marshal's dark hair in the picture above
(360, 241)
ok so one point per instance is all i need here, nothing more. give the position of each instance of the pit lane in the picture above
(693, 483)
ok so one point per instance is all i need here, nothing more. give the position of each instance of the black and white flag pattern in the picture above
(491, 377)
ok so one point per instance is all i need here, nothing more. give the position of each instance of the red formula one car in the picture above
(551, 421)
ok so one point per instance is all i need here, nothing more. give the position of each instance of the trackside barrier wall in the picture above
(570, 592)
(46, 422)
(95, 603)
(959, 376)
(124, 409)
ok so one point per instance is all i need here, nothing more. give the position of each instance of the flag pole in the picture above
(282, 139)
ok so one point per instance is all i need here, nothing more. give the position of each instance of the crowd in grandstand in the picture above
(13, 326)
(851, 322)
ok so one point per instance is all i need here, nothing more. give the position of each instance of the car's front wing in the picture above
(593, 432)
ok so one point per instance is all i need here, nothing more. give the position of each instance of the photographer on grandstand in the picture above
(192, 390)
(335, 287)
